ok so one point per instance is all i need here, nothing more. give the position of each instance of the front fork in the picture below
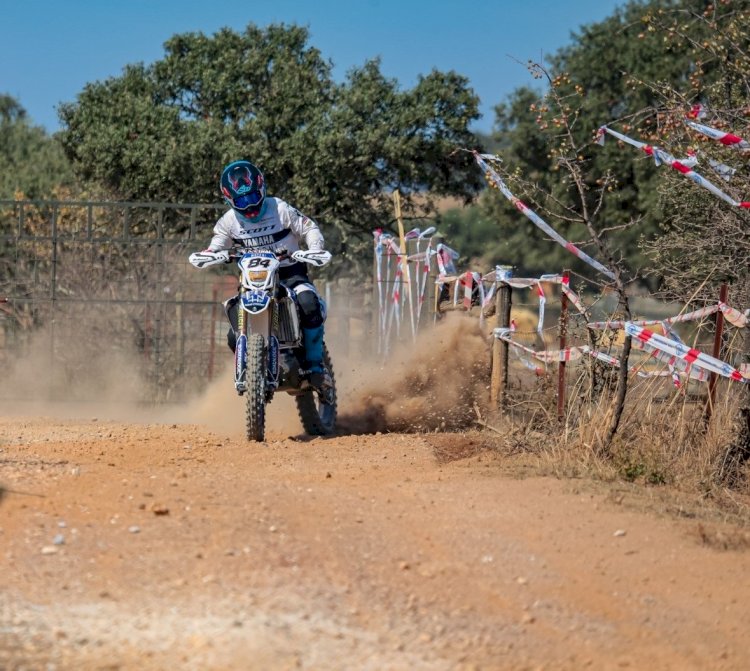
(240, 352)
(257, 323)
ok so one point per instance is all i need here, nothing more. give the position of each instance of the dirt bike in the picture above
(269, 354)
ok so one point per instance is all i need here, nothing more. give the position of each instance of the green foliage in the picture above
(614, 72)
(32, 164)
(651, 474)
(704, 241)
(164, 132)
(488, 142)
(474, 232)
(472, 235)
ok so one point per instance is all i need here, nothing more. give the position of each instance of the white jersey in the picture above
(279, 227)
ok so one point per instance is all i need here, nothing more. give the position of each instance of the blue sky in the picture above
(50, 50)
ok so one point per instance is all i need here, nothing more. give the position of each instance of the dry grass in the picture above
(664, 454)
(664, 448)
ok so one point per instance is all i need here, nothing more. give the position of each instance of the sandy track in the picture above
(191, 549)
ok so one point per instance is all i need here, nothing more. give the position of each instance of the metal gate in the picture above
(98, 299)
(100, 294)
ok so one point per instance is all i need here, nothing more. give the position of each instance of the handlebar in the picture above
(208, 258)
(236, 253)
(311, 257)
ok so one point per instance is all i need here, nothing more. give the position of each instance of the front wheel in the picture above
(256, 387)
(317, 410)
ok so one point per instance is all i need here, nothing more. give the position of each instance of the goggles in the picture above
(248, 200)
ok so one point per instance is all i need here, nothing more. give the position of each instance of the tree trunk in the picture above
(622, 381)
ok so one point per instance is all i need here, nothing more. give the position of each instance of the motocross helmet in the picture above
(243, 188)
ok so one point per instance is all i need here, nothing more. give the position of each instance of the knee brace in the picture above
(231, 307)
(310, 312)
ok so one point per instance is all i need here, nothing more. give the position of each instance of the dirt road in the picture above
(172, 546)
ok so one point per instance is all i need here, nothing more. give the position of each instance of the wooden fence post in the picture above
(713, 378)
(503, 302)
(561, 364)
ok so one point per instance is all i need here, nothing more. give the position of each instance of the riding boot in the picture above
(312, 340)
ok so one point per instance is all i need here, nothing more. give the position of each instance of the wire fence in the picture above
(98, 297)
(552, 346)
(555, 346)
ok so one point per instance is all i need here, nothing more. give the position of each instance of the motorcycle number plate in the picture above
(254, 301)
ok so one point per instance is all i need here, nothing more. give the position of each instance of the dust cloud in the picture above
(432, 384)
(220, 409)
(429, 385)
(424, 386)
(73, 378)
(80, 381)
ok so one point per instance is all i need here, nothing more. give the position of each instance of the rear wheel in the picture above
(256, 388)
(317, 410)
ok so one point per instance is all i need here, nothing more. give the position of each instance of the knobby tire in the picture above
(256, 388)
(318, 418)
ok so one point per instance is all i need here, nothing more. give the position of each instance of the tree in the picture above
(691, 52)
(32, 164)
(163, 132)
(614, 68)
(705, 241)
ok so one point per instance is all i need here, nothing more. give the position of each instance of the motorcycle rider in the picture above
(264, 223)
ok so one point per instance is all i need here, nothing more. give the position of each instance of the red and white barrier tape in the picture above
(495, 180)
(732, 315)
(727, 139)
(685, 166)
(693, 357)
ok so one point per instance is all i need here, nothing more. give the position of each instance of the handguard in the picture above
(318, 259)
(208, 258)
